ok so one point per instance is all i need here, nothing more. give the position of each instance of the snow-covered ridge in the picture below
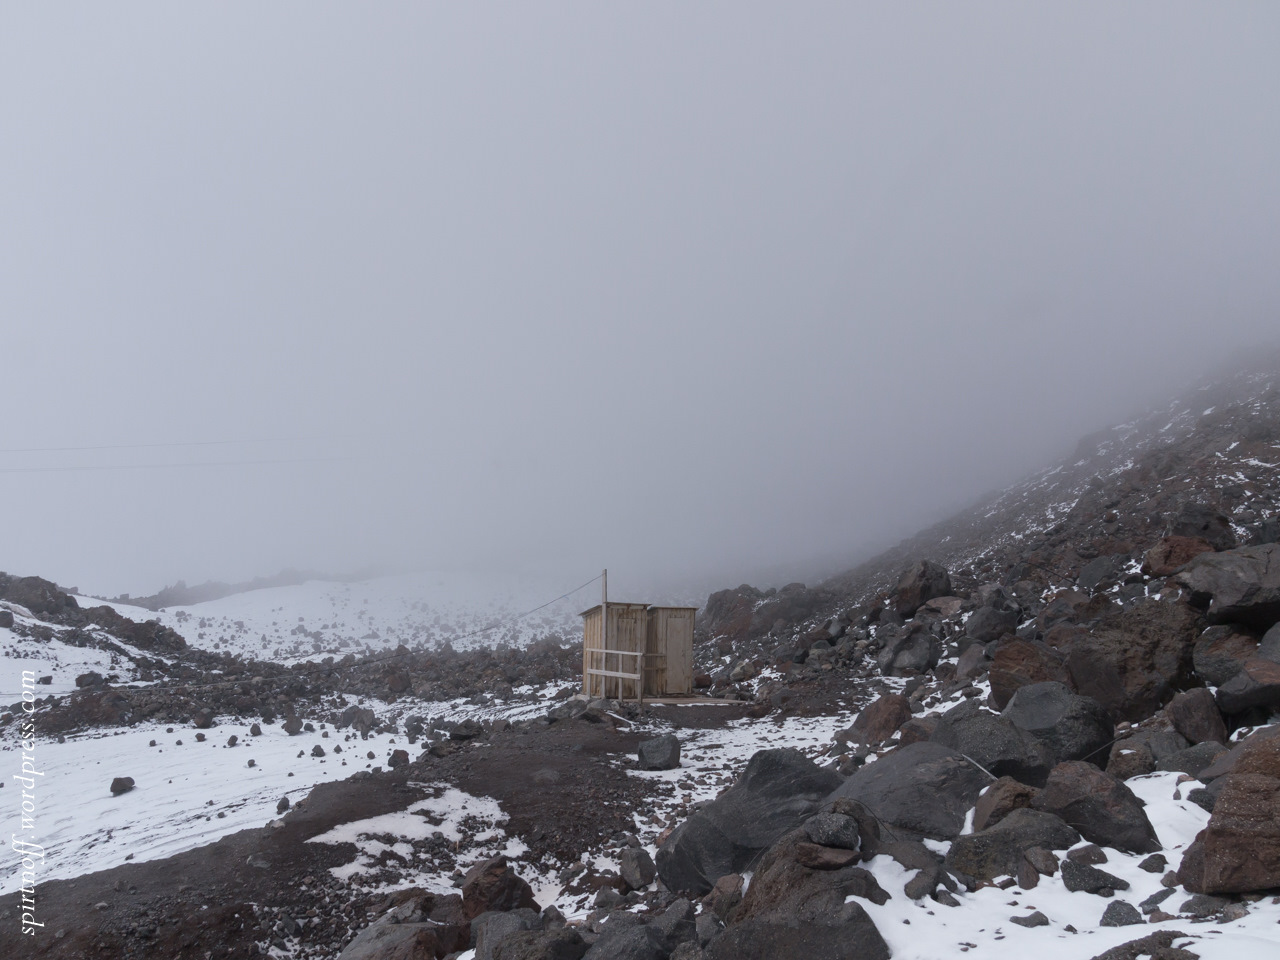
(321, 618)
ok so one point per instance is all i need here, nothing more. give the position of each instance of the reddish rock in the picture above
(1239, 851)
(1001, 799)
(725, 895)
(917, 729)
(920, 583)
(1226, 763)
(1130, 758)
(1017, 663)
(493, 885)
(1171, 554)
(1195, 715)
(881, 720)
(1133, 662)
(817, 857)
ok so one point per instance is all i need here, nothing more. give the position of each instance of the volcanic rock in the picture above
(994, 742)
(1195, 715)
(921, 790)
(660, 753)
(1171, 554)
(776, 792)
(920, 582)
(1098, 805)
(1000, 850)
(1073, 727)
(1240, 585)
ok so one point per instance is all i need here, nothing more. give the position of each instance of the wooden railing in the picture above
(593, 671)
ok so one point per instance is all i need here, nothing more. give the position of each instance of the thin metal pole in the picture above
(604, 625)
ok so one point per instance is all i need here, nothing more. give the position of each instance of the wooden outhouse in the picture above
(642, 651)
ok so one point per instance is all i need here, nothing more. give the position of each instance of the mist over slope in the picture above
(1088, 584)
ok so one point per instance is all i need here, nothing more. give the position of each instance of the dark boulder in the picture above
(1193, 760)
(1198, 520)
(642, 941)
(492, 885)
(920, 582)
(121, 785)
(1101, 572)
(1071, 726)
(994, 743)
(1220, 653)
(660, 753)
(1195, 715)
(42, 597)
(1256, 685)
(1000, 850)
(793, 910)
(562, 944)
(776, 792)
(852, 935)
(908, 651)
(999, 800)
(1269, 648)
(1120, 914)
(921, 790)
(1082, 878)
(637, 868)
(492, 927)
(1241, 585)
(991, 623)
(1099, 806)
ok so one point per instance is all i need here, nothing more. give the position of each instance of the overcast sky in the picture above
(688, 290)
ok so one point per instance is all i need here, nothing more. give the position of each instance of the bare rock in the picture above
(1098, 805)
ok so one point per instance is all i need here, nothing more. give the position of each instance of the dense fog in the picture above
(701, 293)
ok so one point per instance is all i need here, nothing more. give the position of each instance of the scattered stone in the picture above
(1150, 904)
(637, 868)
(121, 785)
(1078, 877)
(1090, 854)
(1036, 919)
(660, 753)
(1120, 914)
(1155, 863)
(1203, 905)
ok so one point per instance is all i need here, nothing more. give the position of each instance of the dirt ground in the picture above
(561, 787)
